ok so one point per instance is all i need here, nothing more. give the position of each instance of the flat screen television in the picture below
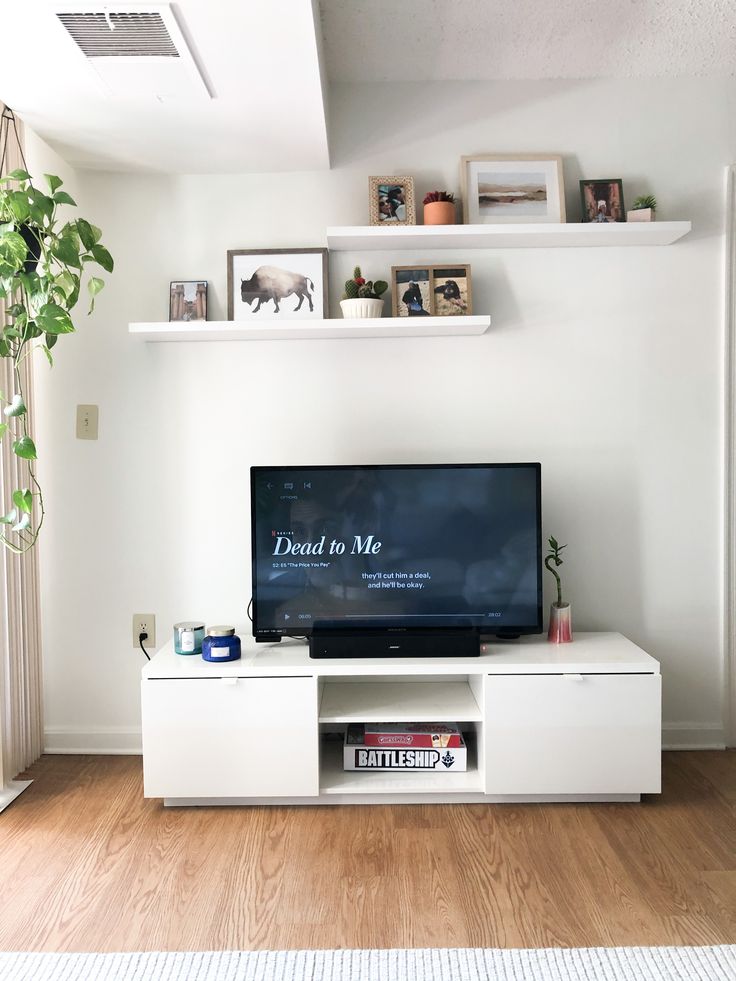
(372, 552)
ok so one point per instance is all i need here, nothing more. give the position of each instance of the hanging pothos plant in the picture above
(42, 262)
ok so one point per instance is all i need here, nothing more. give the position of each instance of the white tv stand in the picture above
(569, 722)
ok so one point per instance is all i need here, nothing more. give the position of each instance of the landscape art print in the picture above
(276, 284)
(512, 189)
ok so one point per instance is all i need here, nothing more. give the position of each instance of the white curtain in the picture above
(21, 706)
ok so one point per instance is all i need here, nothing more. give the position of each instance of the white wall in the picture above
(604, 364)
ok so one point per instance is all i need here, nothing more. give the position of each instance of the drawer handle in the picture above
(229, 681)
(574, 677)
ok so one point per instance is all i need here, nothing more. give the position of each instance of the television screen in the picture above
(396, 547)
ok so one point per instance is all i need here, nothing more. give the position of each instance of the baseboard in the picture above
(106, 741)
(692, 735)
(124, 741)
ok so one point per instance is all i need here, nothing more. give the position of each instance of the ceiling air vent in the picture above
(120, 35)
(137, 49)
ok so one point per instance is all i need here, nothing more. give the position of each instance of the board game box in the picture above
(404, 746)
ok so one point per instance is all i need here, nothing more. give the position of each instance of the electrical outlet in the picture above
(144, 623)
(87, 421)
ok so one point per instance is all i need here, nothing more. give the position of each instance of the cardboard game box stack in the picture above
(421, 746)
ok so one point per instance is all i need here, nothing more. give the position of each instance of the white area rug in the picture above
(577, 964)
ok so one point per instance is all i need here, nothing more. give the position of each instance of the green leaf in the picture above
(49, 355)
(54, 319)
(68, 282)
(66, 251)
(4, 348)
(61, 197)
(94, 286)
(23, 499)
(53, 181)
(42, 202)
(18, 175)
(8, 226)
(31, 282)
(16, 408)
(17, 201)
(103, 257)
(51, 339)
(87, 233)
(9, 518)
(24, 523)
(25, 448)
(13, 249)
(3, 429)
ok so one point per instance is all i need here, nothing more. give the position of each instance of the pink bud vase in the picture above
(560, 624)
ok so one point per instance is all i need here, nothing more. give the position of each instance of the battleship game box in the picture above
(421, 746)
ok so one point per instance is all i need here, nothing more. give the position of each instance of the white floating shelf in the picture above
(361, 238)
(300, 330)
(406, 701)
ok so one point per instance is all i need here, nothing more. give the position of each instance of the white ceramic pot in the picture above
(361, 308)
(641, 214)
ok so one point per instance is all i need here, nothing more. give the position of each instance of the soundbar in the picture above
(394, 643)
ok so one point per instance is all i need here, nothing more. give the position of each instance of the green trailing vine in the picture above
(554, 556)
(42, 263)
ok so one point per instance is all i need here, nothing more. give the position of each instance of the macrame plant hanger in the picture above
(8, 124)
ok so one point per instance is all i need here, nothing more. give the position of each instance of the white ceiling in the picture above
(472, 40)
(263, 64)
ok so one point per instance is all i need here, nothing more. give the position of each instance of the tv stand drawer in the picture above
(573, 734)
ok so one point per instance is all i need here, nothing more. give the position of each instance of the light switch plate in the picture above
(87, 418)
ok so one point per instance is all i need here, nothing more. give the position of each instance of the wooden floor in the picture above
(87, 864)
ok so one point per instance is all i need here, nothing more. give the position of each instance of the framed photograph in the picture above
(276, 284)
(451, 291)
(188, 300)
(411, 291)
(603, 200)
(391, 201)
(516, 188)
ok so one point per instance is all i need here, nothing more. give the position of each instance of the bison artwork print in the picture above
(277, 284)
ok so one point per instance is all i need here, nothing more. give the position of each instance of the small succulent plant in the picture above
(554, 556)
(358, 287)
(645, 201)
(439, 196)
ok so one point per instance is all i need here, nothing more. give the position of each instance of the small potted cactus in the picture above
(362, 299)
(560, 614)
(643, 209)
(439, 208)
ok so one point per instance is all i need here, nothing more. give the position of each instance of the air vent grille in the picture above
(121, 35)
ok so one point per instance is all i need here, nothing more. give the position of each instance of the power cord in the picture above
(141, 637)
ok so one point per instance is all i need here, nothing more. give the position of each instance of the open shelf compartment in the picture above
(333, 779)
(362, 700)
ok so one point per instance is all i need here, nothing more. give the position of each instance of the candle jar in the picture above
(221, 644)
(188, 637)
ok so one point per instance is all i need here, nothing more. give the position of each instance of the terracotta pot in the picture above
(439, 213)
(560, 624)
(362, 308)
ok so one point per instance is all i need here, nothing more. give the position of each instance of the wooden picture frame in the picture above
(439, 290)
(512, 188)
(602, 200)
(299, 274)
(391, 201)
(452, 291)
